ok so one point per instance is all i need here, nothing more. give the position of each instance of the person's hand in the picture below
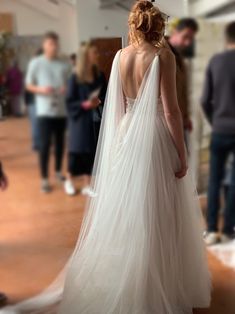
(3, 182)
(183, 167)
(95, 102)
(91, 104)
(46, 91)
(188, 125)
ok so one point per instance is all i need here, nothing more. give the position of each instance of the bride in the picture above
(140, 250)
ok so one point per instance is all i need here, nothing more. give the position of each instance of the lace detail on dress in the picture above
(130, 104)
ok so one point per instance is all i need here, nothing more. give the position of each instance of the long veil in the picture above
(136, 221)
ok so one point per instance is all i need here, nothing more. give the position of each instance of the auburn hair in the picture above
(146, 23)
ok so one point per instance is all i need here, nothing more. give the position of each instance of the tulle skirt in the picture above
(142, 259)
(141, 247)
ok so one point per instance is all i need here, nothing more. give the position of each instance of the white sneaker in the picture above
(212, 238)
(225, 238)
(69, 188)
(88, 191)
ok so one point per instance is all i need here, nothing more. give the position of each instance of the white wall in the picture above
(203, 7)
(35, 19)
(95, 22)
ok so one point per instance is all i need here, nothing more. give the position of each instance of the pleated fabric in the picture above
(140, 249)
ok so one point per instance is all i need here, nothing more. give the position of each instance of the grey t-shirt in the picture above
(48, 73)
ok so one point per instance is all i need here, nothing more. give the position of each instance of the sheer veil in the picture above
(125, 239)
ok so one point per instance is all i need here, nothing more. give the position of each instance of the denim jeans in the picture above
(222, 145)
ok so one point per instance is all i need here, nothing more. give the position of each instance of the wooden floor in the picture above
(38, 232)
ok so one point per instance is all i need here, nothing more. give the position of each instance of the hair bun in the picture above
(146, 22)
(144, 5)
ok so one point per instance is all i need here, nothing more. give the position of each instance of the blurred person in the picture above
(14, 83)
(47, 78)
(218, 102)
(3, 186)
(140, 248)
(85, 100)
(73, 61)
(29, 98)
(181, 38)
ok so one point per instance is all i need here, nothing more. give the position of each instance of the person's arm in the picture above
(3, 179)
(207, 96)
(171, 108)
(31, 81)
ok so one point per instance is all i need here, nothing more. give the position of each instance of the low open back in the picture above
(133, 75)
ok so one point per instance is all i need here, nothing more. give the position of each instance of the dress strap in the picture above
(159, 52)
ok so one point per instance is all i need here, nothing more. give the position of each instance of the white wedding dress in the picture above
(140, 250)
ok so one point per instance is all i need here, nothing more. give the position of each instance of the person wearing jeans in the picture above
(51, 128)
(218, 102)
(221, 147)
(46, 78)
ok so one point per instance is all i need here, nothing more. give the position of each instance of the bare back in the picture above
(134, 63)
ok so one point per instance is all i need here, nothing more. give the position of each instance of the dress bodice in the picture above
(130, 103)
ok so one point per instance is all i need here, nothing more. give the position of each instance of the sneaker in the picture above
(69, 188)
(45, 187)
(60, 178)
(212, 238)
(225, 238)
(88, 192)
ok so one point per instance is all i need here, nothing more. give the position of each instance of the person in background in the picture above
(218, 102)
(47, 78)
(73, 61)
(14, 83)
(3, 186)
(181, 38)
(85, 99)
(30, 103)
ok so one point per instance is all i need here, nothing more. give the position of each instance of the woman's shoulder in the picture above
(163, 51)
(166, 51)
(166, 56)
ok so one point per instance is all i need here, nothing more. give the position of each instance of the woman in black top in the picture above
(85, 99)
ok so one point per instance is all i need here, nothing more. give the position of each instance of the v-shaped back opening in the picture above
(143, 81)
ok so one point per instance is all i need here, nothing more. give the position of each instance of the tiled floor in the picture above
(38, 232)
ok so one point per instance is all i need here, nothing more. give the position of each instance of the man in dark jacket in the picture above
(3, 186)
(218, 102)
(181, 39)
